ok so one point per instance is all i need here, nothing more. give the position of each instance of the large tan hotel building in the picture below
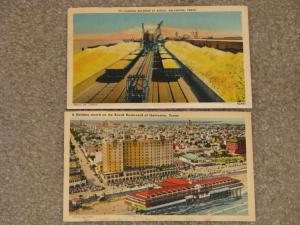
(118, 155)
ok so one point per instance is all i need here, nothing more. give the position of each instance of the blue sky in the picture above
(101, 23)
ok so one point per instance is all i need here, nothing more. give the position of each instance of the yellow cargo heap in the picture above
(221, 71)
(170, 64)
(163, 52)
(119, 65)
(91, 61)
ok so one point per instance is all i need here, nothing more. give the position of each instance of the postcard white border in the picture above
(185, 115)
(246, 51)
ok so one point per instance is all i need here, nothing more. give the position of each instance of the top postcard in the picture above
(159, 57)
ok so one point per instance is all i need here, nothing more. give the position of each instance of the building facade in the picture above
(131, 176)
(119, 155)
(147, 153)
(112, 156)
(236, 145)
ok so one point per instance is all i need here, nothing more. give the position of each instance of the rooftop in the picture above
(191, 156)
(145, 195)
(169, 182)
(173, 185)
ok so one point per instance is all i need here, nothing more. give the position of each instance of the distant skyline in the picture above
(106, 23)
(148, 120)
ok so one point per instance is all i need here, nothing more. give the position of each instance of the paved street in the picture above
(89, 173)
(218, 169)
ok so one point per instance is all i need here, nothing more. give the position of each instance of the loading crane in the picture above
(143, 32)
(150, 40)
(137, 84)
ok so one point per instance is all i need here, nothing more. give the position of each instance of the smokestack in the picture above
(143, 32)
(143, 29)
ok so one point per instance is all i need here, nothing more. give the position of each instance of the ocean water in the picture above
(225, 206)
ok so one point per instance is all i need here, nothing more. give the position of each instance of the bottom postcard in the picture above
(158, 166)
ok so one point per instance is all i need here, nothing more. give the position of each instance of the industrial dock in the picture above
(150, 73)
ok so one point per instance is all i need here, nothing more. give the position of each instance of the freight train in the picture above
(120, 68)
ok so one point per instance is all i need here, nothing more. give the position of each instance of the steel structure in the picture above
(137, 85)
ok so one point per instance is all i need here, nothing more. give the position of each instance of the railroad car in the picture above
(166, 56)
(161, 48)
(130, 57)
(157, 61)
(163, 52)
(137, 52)
(119, 69)
(171, 68)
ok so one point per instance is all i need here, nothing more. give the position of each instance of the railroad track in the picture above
(90, 93)
(115, 92)
(175, 91)
(108, 92)
(156, 91)
(118, 93)
(104, 93)
(138, 83)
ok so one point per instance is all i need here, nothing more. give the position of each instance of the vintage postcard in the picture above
(159, 57)
(158, 166)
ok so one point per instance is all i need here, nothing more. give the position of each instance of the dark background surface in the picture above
(33, 99)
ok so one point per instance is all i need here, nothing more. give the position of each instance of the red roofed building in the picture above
(175, 191)
(236, 145)
(160, 196)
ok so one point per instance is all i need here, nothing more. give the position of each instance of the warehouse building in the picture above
(179, 191)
